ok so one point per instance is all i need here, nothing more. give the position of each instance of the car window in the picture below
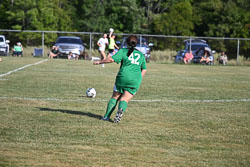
(69, 40)
(194, 47)
(144, 42)
(1, 39)
(142, 45)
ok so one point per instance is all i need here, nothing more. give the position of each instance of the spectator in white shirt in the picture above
(102, 42)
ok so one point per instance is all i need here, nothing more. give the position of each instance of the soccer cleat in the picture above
(105, 119)
(118, 116)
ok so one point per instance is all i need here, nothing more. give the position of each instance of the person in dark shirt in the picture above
(54, 52)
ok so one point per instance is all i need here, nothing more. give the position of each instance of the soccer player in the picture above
(128, 79)
(112, 45)
(102, 42)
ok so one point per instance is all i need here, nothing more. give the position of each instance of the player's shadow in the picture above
(88, 114)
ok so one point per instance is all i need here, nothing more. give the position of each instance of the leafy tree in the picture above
(3, 15)
(178, 21)
(90, 15)
(152, 8)
(126, 16)
(99, 16)
(223, 19)
(37, 15)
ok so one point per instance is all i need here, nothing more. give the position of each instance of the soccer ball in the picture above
(90, 92)
(111, 30)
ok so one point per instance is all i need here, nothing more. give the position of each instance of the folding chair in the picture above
(37, 52)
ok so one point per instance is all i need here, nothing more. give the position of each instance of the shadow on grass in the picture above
(88, 114)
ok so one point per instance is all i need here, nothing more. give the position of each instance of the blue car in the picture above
(197, 47)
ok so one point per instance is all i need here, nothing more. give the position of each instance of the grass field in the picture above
(183, 115)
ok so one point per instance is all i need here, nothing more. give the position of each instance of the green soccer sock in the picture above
(123, 105)
(110, 107)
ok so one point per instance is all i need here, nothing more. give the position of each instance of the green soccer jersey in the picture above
(129, 74)
(111, 43)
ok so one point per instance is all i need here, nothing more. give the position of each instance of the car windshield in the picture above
(144, 42)
(194, 47)
(69, 40)
(138, 45)
(1, 39)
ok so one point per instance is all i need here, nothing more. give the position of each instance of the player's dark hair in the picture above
(131, 41)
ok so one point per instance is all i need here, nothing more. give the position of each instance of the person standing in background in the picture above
(102, 42)
(112, 44)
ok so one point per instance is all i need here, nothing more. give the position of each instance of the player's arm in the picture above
(110, 34)
(143, 67)
(104, 61)
(116, 58)
(98, 44)
(143, 72)
(116, 47)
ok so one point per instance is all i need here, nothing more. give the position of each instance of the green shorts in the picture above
(121, 89)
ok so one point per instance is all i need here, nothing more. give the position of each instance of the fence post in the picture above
(238, 51)
(190, 45)
(43, 42)
(140, 40)
(90, 44)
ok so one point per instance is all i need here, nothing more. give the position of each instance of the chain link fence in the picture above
(165, 47)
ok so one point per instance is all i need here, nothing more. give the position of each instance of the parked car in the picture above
(68, 44)
(143, 46)
(196, 45)
(4, 46)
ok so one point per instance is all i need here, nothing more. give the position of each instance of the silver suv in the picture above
(4, 46)
(68, 44)
(143, 46)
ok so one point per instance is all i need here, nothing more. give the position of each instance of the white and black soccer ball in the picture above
(90, 92)
(111, 30)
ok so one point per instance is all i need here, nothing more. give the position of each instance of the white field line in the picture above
(21, 68)
(140, 101)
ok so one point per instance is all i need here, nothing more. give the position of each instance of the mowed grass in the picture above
(46, 119)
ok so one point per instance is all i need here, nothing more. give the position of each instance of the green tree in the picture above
(36, 15)
(177, 21)
(126, 16)
(4, 6)
(90, 15)
(99, 16)
(223, 19)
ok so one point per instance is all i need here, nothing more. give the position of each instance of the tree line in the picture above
(216, 18)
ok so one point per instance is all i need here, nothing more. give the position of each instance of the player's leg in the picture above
(185, 60)
(51, 55)
(124, 100)
(111, 105)
(110, 52)
(103, 55)
(123, 104)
